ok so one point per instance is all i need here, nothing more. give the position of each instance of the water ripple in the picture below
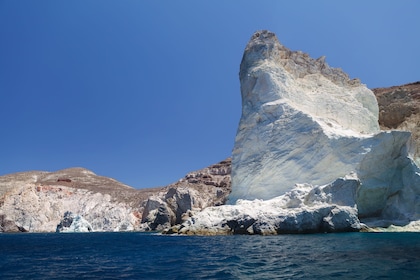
(147, 256)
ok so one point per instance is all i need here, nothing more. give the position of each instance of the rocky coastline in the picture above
(78, 200)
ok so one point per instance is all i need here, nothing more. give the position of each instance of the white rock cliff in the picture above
(303, 126)
(304, 122)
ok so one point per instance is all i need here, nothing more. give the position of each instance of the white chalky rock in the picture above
(304, 122)
(304, 209)
(304, 125)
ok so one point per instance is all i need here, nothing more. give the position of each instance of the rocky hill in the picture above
(36, 201)
(39, 201)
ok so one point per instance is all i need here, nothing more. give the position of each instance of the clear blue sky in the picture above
(146, 91)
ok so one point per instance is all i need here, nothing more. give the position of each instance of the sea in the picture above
(134, 255)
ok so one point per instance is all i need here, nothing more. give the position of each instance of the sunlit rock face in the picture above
(295, 111)
(304, 122)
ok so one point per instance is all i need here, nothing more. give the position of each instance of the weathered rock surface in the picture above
(304, 123)
(305, 209)
(399, 108)
(37, 201)
(196, 191)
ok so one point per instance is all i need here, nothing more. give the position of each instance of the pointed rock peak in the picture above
(264, 46)
(263, 41)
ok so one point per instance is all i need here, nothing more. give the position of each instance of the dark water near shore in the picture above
(150, 256)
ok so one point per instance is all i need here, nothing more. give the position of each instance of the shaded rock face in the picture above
(399, 108)
(196, 191)
(73, 223)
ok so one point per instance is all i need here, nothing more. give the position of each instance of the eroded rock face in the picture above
(37, 201)
(298, 116)
(399, 108)
(306, 124)
(196, 191)
(304, 209)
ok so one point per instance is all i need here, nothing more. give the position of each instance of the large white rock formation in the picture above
(306, 124)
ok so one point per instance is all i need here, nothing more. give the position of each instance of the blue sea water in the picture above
(152, 256)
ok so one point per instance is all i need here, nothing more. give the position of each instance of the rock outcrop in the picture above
(399, 109)
(296, 114)
(306, 124)
(304, 209)
(196, 191)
